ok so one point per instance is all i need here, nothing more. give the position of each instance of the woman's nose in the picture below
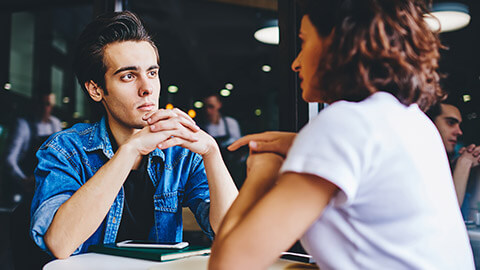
(296, 63)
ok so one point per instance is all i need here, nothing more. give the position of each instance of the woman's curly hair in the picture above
(376, 45)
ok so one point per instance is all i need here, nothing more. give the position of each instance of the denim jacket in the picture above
(70, 157)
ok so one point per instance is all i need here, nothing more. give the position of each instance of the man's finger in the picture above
(184, 115)
(175, 141)
(183, 134)
(173, 123)
(470, 148)
(160, 115)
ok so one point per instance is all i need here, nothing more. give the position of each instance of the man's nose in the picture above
(146, 87)
(458, 130)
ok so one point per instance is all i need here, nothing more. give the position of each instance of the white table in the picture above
(94, 261)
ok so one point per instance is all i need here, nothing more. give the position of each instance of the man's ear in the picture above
(95, 92)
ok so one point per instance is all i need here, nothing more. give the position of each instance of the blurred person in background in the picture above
(225, 130)
(26, 137)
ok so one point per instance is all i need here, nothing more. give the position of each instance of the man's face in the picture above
(212, 106)
(48, 101)
(448, 124)
(131, 81)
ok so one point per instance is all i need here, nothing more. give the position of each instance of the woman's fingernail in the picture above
(252, 144)
(152, 127)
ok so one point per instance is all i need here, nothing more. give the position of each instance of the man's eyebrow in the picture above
(125, 68)
(453, 119)
(153, 67)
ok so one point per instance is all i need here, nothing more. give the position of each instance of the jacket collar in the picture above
(99, 140)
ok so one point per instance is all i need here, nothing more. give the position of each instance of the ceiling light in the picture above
(7, 86)
(448, 16)
(192, 113)
(169, 106)
(258, 112)
(225, 92)
(198, 104)
(229, 86)
(467, 98)
(173, 89)
(268, 35)
(266, 68)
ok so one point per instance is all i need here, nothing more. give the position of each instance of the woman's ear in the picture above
(95, 92)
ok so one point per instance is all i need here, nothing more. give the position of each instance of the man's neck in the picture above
(121, 133)
(215, 119)
(45, 118)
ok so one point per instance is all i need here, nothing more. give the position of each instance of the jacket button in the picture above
(114, 219)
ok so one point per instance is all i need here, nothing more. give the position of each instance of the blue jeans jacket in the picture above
(70, 157)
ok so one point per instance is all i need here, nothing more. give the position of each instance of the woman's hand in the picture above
(277, 142)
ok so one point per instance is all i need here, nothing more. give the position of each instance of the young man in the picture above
(447, 119)
(128, 175)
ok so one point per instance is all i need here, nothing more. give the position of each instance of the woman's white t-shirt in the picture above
(396, 207)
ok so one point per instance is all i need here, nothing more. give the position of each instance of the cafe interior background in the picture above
(205, 46)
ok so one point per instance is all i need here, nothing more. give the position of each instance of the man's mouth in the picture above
(146, 107)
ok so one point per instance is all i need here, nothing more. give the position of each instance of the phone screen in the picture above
(152, 244)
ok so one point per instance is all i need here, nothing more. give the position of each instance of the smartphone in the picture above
(151, 244)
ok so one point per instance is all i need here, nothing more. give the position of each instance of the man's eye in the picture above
(128, 76)
(153, 73)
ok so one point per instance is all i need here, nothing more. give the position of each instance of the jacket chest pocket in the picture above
(168, 202)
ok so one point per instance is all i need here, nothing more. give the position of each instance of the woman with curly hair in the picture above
(366, 184)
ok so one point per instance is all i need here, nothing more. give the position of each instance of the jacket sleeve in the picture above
(57, 178)
(197, 195)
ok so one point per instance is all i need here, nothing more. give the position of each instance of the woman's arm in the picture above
(270, 226)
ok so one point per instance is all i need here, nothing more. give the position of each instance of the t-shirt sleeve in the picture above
(335, 146)
(56, 181)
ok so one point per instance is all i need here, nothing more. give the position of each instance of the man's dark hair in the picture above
(108, 28)
(212, 94)
(436, 109)
(376, 46)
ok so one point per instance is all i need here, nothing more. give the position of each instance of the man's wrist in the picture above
(212, 151)
(130, 149)
(464, 162)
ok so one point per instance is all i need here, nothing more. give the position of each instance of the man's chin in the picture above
(140, 125)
